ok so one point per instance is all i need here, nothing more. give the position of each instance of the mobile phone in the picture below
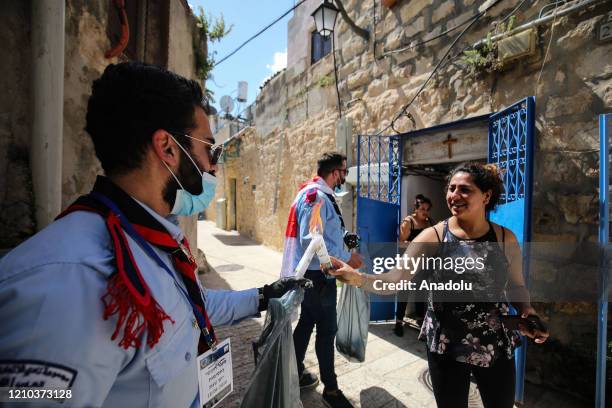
(531, 323)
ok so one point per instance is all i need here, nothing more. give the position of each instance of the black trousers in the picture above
(451, 381)
(318, 309)
(419, 310)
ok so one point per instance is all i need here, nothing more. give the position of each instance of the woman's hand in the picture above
(538, 335)
(344, 273)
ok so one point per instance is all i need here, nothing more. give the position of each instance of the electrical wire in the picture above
(259, 33)
(450, 30)
(552, 34)
(412, 46)
(461, 34)
(336, 74)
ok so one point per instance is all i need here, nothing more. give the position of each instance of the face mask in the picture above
(186, 203)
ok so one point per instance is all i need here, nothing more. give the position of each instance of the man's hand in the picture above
(279, 288)
(355, 261)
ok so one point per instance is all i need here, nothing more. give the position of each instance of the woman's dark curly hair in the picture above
(421, 199)
(487, 177)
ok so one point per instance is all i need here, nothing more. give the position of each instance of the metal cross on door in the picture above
(511, 133)
(378, 204)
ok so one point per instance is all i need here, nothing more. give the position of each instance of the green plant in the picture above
(484, 58)
(211, 29)
(325, 81)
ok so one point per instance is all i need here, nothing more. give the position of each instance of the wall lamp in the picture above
(325, 19)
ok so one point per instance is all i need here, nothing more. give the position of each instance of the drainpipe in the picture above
(47, 37)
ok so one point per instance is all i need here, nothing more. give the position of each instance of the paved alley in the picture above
(395, 371)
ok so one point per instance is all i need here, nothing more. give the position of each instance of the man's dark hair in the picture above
(129, 102)
(329, 162)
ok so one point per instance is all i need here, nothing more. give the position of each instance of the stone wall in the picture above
(570, 74)
(85, 43)
(17, 219)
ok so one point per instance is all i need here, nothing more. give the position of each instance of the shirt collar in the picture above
(170, 223)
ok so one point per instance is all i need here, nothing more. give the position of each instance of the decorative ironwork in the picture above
(379, 159)
(508, 149)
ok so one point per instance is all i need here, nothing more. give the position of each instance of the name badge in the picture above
(215, 376)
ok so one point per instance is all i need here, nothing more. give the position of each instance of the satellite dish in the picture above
(227, 104)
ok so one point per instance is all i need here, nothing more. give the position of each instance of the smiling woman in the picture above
(468, 337)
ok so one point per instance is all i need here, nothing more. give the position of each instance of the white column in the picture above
(47, 36)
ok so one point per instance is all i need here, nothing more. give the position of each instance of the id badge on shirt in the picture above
(215, 376)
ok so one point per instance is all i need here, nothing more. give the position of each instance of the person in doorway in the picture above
(465, 338)
(315, 205)
(410, 228)
(105, 302)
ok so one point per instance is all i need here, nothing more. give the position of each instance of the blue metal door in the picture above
(605, 125)
(511, 133)
(378, 205)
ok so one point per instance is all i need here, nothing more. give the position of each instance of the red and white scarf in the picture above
(290, 255)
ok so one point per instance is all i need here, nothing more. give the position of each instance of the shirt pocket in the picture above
(175, 356)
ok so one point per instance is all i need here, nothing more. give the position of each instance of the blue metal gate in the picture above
(605, 123)
(378, 203)
(511, 134)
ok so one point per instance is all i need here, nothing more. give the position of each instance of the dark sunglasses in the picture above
(215, 152)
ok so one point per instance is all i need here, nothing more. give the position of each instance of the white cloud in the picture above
(280, 61)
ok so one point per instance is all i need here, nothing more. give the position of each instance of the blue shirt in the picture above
(333, 232)
(52, 320)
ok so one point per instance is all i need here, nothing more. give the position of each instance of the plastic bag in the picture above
(275, 382)
(353, 320)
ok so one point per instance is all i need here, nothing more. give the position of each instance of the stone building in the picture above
(561, 55)
(52, 51)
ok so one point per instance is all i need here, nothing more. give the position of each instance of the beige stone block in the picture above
(359, 79)
(355, 46)
(578, 36)
(381, 67)
(569, 105)
(376, 88)
(394, 40)
(414, 28)
(575, 207)
(443, 11)
(345, 70)
(410, 9)
(595, 62)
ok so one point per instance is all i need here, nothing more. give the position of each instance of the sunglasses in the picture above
(215, 152)
(345, 171)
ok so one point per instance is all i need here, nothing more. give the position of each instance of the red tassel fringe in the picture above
(134, 316)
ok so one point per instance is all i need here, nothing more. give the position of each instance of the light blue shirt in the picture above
(52, 321)
(333, 233)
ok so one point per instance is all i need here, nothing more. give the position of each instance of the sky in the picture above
(260, 58)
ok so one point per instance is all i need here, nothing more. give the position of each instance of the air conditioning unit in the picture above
(517, 46)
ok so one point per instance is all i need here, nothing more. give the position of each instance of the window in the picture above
(319, 46)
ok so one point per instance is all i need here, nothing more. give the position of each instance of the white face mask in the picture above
(186, 203)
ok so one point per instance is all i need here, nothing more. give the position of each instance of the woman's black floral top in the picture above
(471, 332)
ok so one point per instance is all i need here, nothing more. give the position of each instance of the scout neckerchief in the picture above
(127, 293)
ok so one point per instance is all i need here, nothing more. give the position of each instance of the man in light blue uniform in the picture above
(60, 298)
(319, 304)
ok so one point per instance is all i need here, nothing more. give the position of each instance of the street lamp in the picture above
(325, 18)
